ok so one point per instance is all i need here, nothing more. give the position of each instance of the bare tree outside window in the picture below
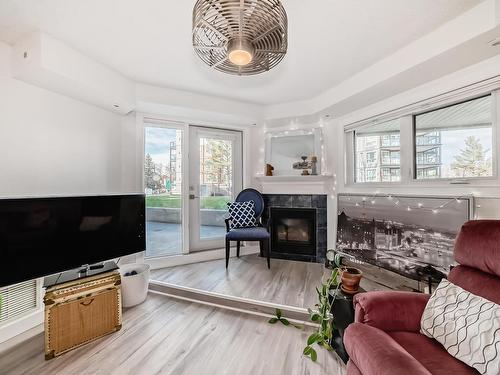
(455, 141)
(472, 160)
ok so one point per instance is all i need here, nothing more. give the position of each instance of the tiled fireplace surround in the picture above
(314, 201)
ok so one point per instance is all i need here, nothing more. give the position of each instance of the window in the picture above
(163, 188)
(377, 146)
(448, 143)
(371, 175)
(455, 141)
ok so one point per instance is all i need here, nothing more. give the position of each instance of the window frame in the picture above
(494, 154)
(408, 157)
(351, 159)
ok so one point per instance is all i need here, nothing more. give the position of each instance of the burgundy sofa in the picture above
(385, 338)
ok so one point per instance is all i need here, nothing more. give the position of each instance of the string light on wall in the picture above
(419, 206)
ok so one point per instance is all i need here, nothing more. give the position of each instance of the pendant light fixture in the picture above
(242, 37)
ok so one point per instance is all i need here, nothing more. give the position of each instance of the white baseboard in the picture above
(196, 257)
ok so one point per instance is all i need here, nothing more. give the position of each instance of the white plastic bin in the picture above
(134, 287)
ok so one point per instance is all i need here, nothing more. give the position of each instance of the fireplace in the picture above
(302, 234)
(293, 231)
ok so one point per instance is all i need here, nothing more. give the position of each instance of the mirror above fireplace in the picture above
(284, 148)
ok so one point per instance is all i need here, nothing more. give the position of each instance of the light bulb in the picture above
(240, 51)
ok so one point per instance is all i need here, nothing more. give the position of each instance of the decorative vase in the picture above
(350, 279)
(314, 165)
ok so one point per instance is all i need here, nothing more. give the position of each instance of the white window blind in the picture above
(18, 300)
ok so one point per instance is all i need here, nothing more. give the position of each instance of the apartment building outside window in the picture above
(377, 153)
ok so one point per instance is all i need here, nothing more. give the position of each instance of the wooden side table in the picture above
(82, 310)
(343, 315)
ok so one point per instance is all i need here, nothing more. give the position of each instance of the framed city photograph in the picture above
(401, 233)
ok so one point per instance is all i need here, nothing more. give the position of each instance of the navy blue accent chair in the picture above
(258, 233)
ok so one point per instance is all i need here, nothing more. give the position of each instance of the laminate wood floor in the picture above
(288, 283)
(169, 336)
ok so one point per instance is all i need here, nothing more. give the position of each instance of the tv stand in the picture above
(79, 273)
(81, 309)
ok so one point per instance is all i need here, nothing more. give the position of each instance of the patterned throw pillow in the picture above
(468, 326)
(242, 214)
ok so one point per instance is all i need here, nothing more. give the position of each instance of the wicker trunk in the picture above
(80, 311)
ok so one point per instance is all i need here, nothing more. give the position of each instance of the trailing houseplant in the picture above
(279, 318)
(322, 315)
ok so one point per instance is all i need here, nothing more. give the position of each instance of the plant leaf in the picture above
(307, 350)
(285, 321)
(312, 338)
(278, 313)
(315, 317)
(298, 326)
(272, 320)
(314, 355)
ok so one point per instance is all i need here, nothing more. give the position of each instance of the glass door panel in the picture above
(163, 188)
(215, 167)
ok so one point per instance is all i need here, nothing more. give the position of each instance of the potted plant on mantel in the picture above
(349, 283)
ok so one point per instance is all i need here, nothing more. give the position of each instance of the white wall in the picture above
(51, 144)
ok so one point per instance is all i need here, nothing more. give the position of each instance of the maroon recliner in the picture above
(385, 337)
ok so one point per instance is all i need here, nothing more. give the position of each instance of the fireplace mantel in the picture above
(320, 184)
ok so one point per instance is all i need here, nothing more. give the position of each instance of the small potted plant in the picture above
(350, 278)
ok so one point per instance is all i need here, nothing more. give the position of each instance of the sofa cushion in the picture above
(468, 326)
(430, 354)
(352, 369)
(374, 352)
(477, 282)
(477, 245)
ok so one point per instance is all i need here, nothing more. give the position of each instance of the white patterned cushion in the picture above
(242, 214)
(468, 326)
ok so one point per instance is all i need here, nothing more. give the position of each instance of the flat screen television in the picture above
(44, 236)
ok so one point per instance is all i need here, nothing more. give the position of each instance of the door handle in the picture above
(192, 196)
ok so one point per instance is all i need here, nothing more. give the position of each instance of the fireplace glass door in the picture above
(293, 230)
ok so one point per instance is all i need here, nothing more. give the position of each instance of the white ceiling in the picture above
(150, 40)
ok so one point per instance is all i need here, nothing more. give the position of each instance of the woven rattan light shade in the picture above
(217, 24)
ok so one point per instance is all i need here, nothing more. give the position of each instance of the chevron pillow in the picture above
(242, 214)
(468, 326)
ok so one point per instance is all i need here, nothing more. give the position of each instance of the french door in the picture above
(215, 175)
(164, 188)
